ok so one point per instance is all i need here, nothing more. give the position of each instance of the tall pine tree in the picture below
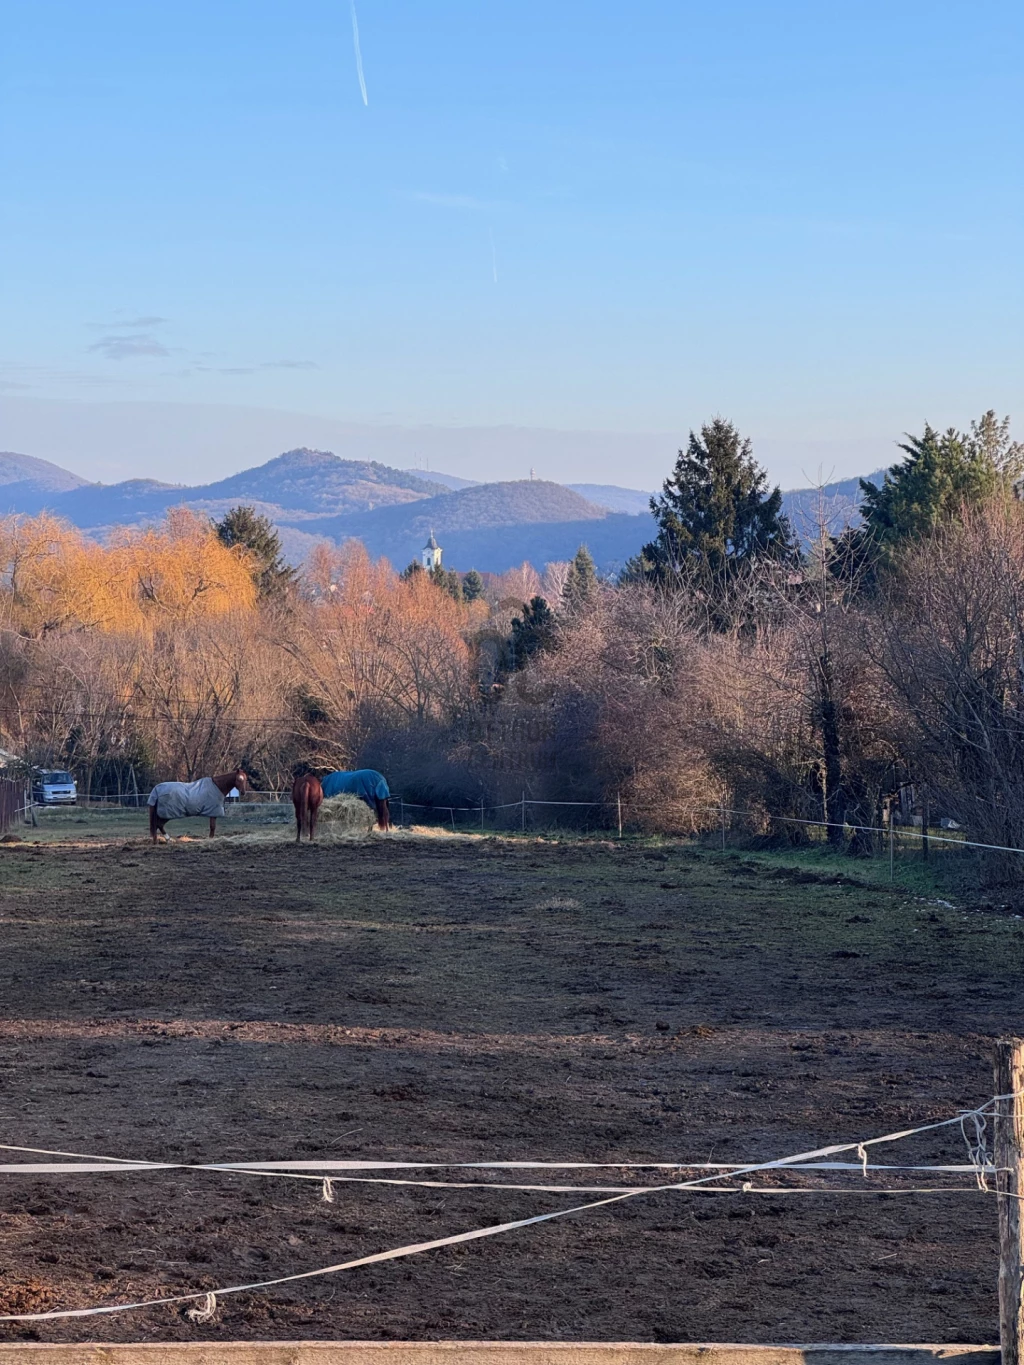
(581, 581)
(715, 514)
(244, 526)
(942, 472)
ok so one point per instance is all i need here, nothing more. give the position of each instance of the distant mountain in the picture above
(616, 499)
(292, 487)
(23, 478)
(314, 496)
(399, 533)
(607, 495)
(611, 541)
(448, 480)
(317, 483)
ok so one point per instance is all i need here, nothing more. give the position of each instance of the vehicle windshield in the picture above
(57, 778)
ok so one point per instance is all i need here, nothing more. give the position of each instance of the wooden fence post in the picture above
(1008, 1158)
(618, 803)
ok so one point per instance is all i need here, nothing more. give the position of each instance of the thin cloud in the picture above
(289, 365)
(129, 347)
(129, 322)
(359, 55)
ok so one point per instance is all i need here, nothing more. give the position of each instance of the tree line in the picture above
(737, 660)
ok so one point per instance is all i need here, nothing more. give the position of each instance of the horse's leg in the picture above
(299, 800)
(153, 823)
(314, 806)
(213, 825)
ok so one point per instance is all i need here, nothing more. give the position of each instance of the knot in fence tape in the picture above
(205, 1311)
(977, 1144)
(327, 1191)
(862, 1153)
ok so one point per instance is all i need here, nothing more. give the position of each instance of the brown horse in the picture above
(175, 800)
(307, 794)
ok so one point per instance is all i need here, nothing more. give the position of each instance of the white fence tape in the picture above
(495, 1229)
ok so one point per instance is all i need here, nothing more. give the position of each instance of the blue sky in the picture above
(568, 215)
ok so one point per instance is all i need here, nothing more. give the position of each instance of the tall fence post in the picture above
(481, 815)
(723, 829)
(524, 812)
(1008, 1158)
(924, 828)
(618, 804)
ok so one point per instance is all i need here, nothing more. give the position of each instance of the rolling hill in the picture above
(487, 521)
(292, 487)
(23, 476)
(313, 495)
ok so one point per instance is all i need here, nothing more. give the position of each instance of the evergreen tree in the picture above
(243, 526)
(410, 570)
(581, 581)
(472, 586)
(941, 473)
(448, 581)
(533, 631)
(715, 513)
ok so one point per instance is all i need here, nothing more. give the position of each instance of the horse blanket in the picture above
(366, 783)
(175, 800)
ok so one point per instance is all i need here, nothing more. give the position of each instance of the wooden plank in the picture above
(1008, 1152)
(484, 1353)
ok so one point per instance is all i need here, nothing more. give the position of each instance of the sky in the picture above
(563, 218)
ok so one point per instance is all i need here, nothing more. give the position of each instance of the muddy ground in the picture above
(458, 1000)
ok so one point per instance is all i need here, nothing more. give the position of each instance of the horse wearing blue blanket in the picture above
(176, 800)
(366, 783)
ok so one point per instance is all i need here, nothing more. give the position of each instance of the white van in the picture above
(54, 788)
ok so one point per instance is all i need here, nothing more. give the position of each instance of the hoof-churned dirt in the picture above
(455, 1000)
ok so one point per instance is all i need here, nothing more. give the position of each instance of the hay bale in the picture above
(345, 815)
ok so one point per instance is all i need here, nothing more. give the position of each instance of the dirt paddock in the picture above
(462, 1000)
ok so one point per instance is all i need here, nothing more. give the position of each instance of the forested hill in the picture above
(32, 477)
(291, 487)
(313, 495)
(490, 526)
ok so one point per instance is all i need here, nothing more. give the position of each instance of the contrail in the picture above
(494, 256)
(359, 55)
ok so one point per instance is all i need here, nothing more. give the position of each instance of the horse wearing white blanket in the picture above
(176, 800)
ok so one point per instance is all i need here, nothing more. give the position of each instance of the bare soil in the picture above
(458, 1000)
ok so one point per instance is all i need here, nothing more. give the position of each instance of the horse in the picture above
(175, 800)
(366, 783)
(307, 794)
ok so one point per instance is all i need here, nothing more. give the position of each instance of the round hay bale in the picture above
(345, 815)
